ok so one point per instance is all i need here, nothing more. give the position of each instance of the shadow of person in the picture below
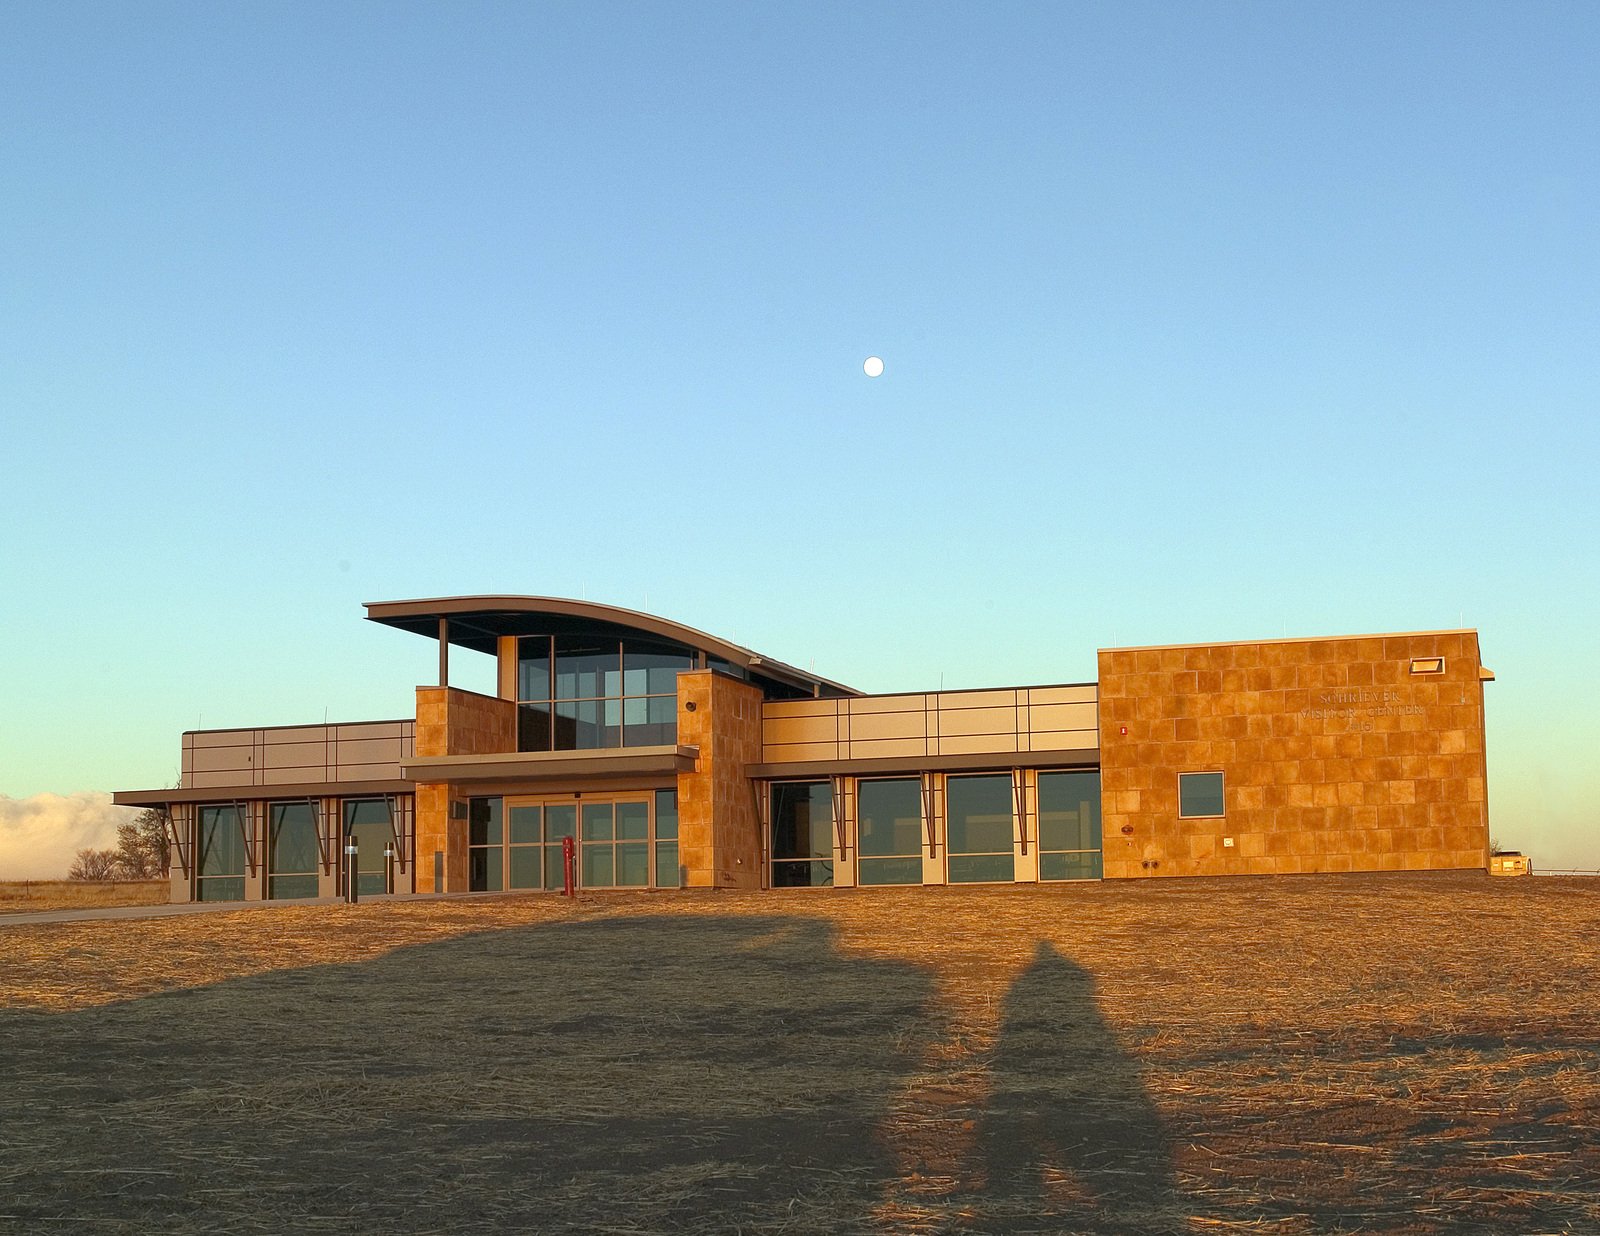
(1069, 1132)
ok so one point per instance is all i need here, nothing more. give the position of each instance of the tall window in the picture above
(519, 844)
(580, 693)
(1069, 826)
(367, 827)
(802, 835)
(292, 851)
(889, 831)
(219, 874)
(485, 834)
(979, 829)
(668, 873)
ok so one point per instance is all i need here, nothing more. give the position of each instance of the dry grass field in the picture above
(1412, 1054)
(26, 896)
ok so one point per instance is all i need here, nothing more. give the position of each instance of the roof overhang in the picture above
(478, 622)
(1073, 758)
(240, 793)
(553, 766)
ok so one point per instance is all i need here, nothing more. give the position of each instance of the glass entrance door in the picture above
(628, 841)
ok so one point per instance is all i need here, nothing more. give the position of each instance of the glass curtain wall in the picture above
(579, 693)
(668, 873)
(979, 829)
(292, 851)
(802, 835)
(889, 831)
(366, 824)
(219, 871)
(520, 846)
(1069, 826)
(485, 838)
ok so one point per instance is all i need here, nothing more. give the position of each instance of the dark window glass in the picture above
(729, 668)
(483, 821)
(802, 820)
(889, 815)
(982, 868)
(978, 813)
(554, 867)
(587, 668)
(633, 821)
(533, 727)
(1200, 794)
(292, 851)
(1085, 865)
(633, 865)
(666, 814)
(578, 726)
(366, 826)
(484, 869)
(533, 667)
(809, 875)
(219, 888)
(1069, 814)
(598, 869)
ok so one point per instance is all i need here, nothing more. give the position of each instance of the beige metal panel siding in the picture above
(1045, 717)
(372, 729)
(799, 729)
(886, 748)
(1067, 740)
(966, 721)
(367, 751)
(866, 705)
(883, 725)
(980, 744)
(951, 700)
(798, 752)
(300, 755)
(218, 759)
(1087, 693)
(800, 708)
(364, 772)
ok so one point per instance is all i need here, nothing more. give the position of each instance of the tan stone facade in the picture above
(1336, 755)
(453, 722)
(719, 831)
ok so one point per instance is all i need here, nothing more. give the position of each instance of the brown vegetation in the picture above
(1334, 1054)
(28, 896)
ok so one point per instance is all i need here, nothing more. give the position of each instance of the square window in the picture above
(1199, 795)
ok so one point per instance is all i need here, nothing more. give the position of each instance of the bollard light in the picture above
(350, 853)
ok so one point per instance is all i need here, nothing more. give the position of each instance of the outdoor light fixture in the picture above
(1427, 665)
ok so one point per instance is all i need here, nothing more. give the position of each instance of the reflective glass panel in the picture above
(219, 888)
(978, 814)
(1086, 865)
(889, 871)
(560, 820)
(982, 868)
(633, 864)
(666, 814)
(597, 867)
(285, 887)
(533, 667)
(292, 846)
(653, 669)
(633, 821)
(598, 821)
(802, 820)
(667, 873)
(578, 726)
(221, 844)
(587, 668)
(1200, 794)
(525, 826)
(554, 871)
(484, 869)
(367, 811)
(889, 816)
(1069, 813)
(525, 866)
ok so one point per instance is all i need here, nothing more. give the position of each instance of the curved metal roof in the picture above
(477, 622)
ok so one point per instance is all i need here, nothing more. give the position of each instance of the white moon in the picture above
(872, 367)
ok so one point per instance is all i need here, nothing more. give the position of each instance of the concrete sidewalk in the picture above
(114, 913)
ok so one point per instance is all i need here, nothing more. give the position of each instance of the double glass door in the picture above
(627, 841)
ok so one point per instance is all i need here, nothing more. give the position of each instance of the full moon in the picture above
(872, 367)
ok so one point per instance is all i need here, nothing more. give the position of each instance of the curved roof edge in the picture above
(473, 625)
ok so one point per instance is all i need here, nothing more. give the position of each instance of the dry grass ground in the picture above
(26, 896)
(1319, 1054)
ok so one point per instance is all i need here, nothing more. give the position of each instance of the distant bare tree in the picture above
(94, 865)
(142, 845)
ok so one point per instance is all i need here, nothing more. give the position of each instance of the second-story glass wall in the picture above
(577, 692)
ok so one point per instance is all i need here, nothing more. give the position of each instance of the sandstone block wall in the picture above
(719, 831)
(1335, 756)
(451, 721)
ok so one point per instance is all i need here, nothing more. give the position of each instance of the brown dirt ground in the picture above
(27, 896)
(1413, 1054)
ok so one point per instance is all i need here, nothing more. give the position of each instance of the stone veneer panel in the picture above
(719, 832)
(451, 721)
(1335, 757)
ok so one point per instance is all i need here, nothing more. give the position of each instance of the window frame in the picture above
(1222, 794)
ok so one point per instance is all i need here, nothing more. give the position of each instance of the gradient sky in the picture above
(1201, 322)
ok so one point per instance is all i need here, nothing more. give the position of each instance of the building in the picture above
(673, 758)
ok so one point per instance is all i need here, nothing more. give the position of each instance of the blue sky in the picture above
(1200, 322)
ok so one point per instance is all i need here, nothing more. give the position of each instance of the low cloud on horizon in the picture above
(39, 836)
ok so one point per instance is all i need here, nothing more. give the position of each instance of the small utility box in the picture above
(1510, 864)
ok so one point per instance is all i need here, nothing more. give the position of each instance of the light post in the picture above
(351, 853)
(388, 866)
